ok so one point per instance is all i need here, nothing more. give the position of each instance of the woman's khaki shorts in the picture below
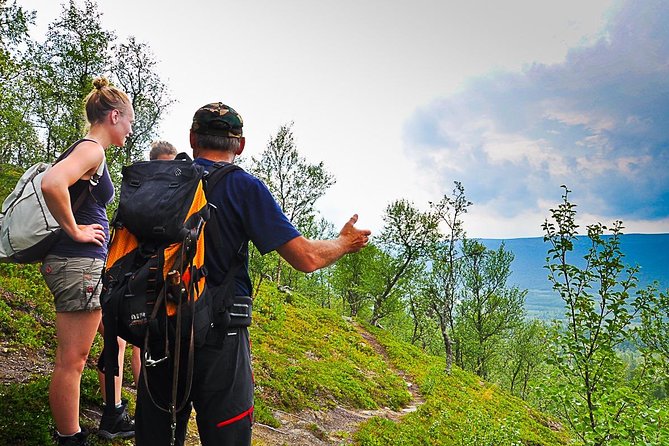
(75, 282)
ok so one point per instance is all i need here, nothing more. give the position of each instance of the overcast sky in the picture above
(400, 99)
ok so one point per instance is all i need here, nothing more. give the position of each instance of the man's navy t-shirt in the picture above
(245, 210)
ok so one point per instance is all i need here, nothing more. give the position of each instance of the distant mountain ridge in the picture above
(649, 251)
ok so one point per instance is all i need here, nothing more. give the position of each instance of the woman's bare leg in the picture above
(75, 332)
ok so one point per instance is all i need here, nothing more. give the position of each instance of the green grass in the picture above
(26, 313)
(24, 414)
(25, 417)
(311, 358)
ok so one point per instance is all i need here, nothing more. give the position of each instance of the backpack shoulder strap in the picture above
(238, 258)
(80, 199)
(211, 180)
(93, 180)
(69, 150)
(217, 173)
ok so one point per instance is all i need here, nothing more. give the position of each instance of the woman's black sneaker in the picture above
(117, 425)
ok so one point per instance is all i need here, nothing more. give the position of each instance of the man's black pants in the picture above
(222, 396)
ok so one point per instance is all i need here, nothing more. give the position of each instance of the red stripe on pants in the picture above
(246, 413)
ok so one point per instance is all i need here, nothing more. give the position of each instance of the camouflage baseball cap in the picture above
(217, 119)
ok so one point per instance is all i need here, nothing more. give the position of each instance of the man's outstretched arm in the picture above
(309, 255)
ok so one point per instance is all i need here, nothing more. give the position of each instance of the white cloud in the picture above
(563, 114)
(589, 122)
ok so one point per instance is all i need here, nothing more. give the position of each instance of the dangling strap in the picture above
(173, 407)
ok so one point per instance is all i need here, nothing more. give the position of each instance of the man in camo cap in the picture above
(244, 210)
(217, 119)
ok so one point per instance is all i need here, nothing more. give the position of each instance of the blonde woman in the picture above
(73, 268)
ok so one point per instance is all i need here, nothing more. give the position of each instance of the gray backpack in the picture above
(27, 228)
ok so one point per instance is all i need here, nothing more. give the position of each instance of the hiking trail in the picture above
(335, 426)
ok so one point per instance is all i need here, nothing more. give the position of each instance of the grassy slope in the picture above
(310, 358)
(460, 409)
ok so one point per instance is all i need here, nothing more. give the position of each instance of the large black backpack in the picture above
(155, 293)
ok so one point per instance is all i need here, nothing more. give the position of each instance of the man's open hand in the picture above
(354, 238)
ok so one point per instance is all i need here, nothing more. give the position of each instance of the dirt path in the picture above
(21, 365)
(331, 427)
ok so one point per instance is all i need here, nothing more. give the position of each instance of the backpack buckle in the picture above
(152, 362)
(240, 310)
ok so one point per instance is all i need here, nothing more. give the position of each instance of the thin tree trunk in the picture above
(449, 352)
